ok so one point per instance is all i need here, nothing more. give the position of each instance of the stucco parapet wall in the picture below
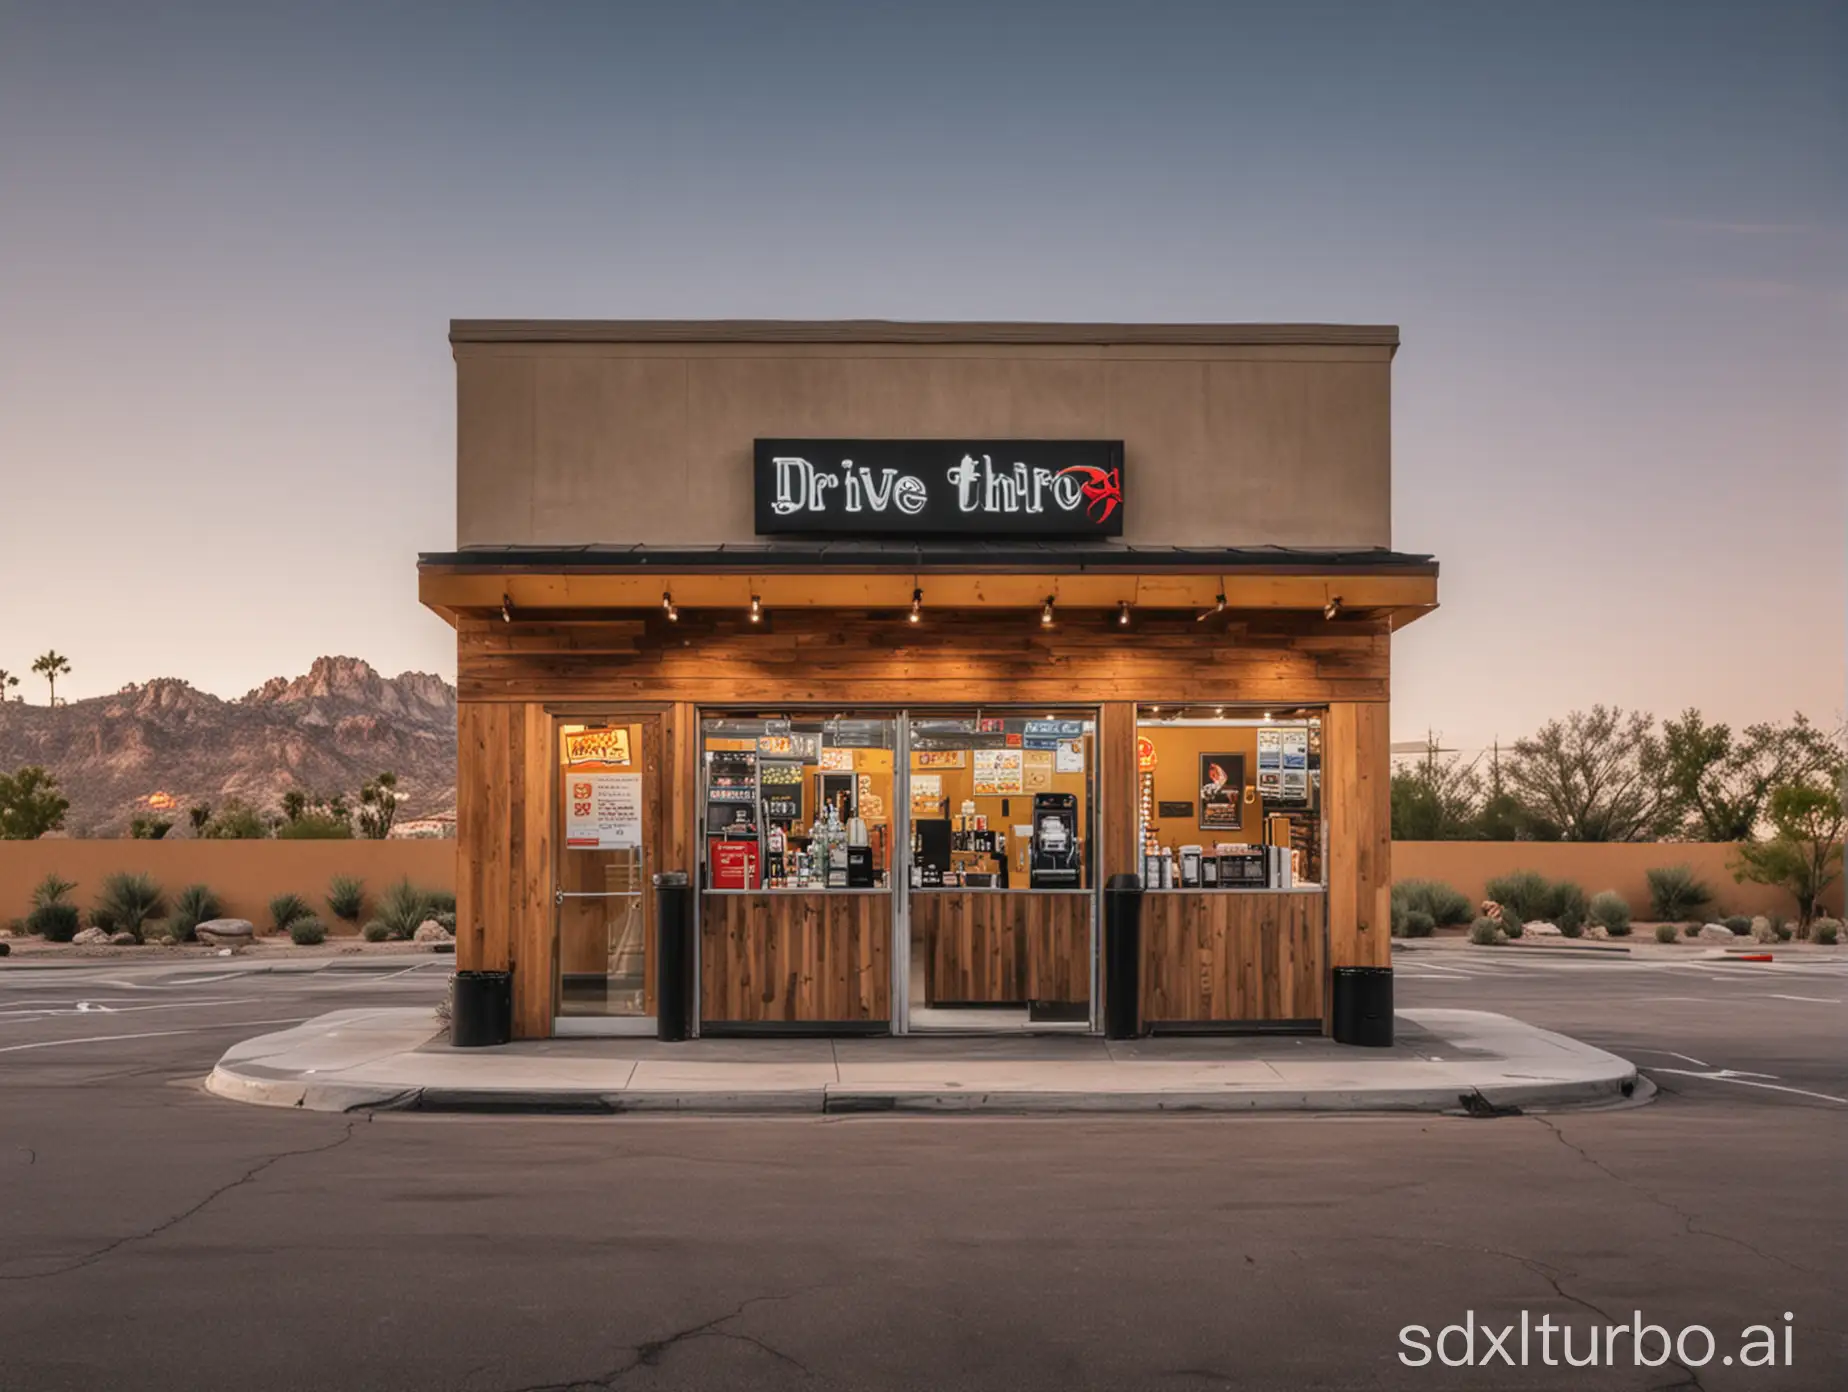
(875, 331)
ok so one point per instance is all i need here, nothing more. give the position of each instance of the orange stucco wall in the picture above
(246, 874)
(1469, 865)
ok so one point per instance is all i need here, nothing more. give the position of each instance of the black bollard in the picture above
(1123, 957)
(673, 955)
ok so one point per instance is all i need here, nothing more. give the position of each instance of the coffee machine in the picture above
(1057, 858)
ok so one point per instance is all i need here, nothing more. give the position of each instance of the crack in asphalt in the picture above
(1547, 1273)
(1688, 1220)
(91, 1258)
(649, 1353)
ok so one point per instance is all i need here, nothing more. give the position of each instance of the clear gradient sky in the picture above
(1614, 236)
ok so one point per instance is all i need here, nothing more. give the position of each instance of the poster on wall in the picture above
(926, 790)
(1222, 787)
(837, 760)
(998, 772)
(603, 811)
(1293, 754)
(867, 803)
(1069, 756)
(939, 759)
(1036, 771)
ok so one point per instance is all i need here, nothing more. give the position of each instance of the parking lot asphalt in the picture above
(152, 1236)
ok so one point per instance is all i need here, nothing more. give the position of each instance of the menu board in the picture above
(998, 771)
(603, 811)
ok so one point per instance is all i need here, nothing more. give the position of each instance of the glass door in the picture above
(608, 818)
(1000, 898)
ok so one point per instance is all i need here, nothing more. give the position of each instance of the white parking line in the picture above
(1670, 1053)
(1726, 1075)
(100, 1008)
(150, 1034)
(1809, 1000)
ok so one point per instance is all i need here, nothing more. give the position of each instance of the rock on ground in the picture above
(232, 932)
(91, 937)
(1541, 930)
(1715, 932)
(430, 931)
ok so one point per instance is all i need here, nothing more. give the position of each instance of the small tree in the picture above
(199, 815)
(6, 679)
(1804, 853)
(235, 820)
(30, 804)
(1725, 782)
(146, 828)
(1434, 799)
(378, 806)
(1599, 775)
(51, 666)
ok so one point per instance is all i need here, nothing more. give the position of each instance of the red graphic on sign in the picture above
(1103, 489)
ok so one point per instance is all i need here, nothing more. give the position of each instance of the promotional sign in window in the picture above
(605, 744)
(1037, 488)
(1069, 756)
(603, 811)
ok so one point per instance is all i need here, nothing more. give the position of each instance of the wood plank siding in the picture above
(1232, 957)
(988, 946)
(792, 957)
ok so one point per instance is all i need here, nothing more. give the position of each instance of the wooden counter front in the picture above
(990, 945)
(795, 957)
(1232, 956)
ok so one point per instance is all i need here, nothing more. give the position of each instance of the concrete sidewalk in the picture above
(1444, 1060)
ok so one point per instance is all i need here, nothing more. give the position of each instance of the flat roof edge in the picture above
(914, 331)
(540, 561)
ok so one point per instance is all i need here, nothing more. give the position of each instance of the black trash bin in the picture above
(1122, 957)
(482, 1013)
(1363, 1006)
(673, 955)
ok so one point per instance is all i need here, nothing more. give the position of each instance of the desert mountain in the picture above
(326, 732)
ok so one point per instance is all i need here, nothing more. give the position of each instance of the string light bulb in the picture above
(1332, 608)
(506, 608)
(667, 606)
(1122, 613)
(1219, 607)
(1046, 613)
(917, 607)
(757, 610)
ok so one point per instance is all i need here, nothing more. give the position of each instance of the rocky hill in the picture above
(168, 745)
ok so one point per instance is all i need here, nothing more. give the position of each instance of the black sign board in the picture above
(1025, 488)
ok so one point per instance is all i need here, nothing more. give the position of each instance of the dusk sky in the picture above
(1613, 236)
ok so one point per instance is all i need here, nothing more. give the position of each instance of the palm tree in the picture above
(6, 679)
(52, 666)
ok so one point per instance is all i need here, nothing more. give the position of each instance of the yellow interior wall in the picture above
(1177, 779)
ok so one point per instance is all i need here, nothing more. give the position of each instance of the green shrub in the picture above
(441, 901)
(401, 908)
(346, 896)
(1486, 932)
(376, 931)
(192, 906)
(55, 922)
(1610, 909)
(1780, 929)
(53, 917)
(1510, 922)
(315, 826)
(128, 900)
(1825, 931)
(1525, 891)
(1446, 906)
(1419, 924)
(308, 931)
(234, 820)
(447, 919)
(1567, 906)
(285, 909)
(1691, 929)
(1741, 924)
(1665, 932)
(1676, 893)
(53, 889)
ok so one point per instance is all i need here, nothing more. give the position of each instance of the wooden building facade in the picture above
(900, 747)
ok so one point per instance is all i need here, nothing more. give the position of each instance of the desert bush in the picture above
(1691, 929)
(1780, 928)
(128, 900)
(307, 931)
(1419, 924)
(401, 908)
(375, 931)
(53, 916)
(285, 909)
(192, 906)
(346, 896)
(441, 901)
(1665, 932)
(1486, 932)
(315, 825)
(447, 919)
(234, 820)
(1826, 931)
(1763, 932)
(1676, 892)
(1510, 922)
(1609, 908)
(1567, 906)
(1525, 891)
(1739, 923)
(1446, 906)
